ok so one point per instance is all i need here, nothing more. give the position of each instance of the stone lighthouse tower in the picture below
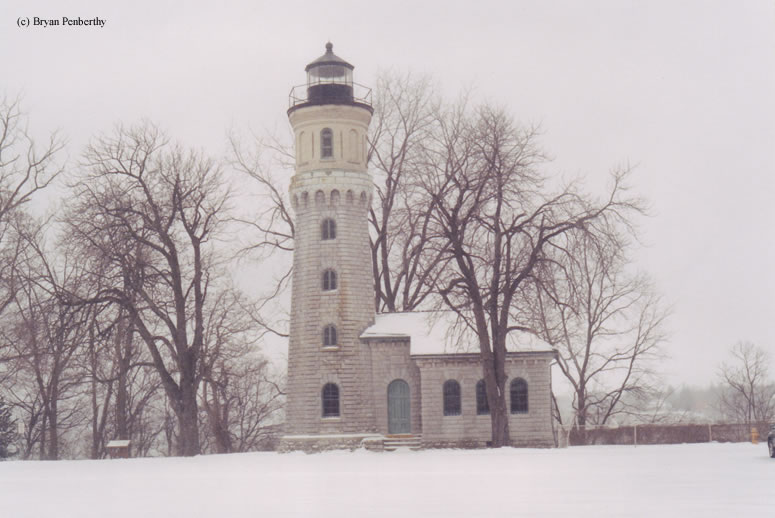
(332, 301)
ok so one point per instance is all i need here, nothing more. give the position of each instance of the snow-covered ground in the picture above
(704, 480)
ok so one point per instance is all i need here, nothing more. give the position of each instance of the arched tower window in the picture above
(328, 229)
(518, 393)
(326, 143)
(329, 280)
(451, 397)
(329, 336)
(482, 406)
(330, 397)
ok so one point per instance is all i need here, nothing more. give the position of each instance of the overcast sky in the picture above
(683, 90)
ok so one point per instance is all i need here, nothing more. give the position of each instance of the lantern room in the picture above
(330, 81)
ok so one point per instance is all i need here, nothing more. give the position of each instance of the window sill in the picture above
(331, 418)
(329, 348)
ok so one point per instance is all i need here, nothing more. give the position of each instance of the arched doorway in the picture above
(398, 407)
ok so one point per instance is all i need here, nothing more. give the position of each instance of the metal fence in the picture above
(662, 433)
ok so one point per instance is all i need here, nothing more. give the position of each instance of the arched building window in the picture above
(451, 397)
(482, 406)
(518, 393)
(330, 399)
(329, 336)
(326, 143)
(329, 280)
(328, 229)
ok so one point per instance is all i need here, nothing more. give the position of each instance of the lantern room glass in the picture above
(329, 74)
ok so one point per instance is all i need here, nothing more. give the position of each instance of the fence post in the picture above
(710, 432)
(635, 435)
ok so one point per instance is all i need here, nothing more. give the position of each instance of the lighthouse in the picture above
(361, 379)
(332, 299)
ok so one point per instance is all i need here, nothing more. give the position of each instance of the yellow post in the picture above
(754, 435)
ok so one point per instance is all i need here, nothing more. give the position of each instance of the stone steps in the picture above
(403, 441)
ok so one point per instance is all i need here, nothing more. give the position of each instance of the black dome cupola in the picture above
(330, 81)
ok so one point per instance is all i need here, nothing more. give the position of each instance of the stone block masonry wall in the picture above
(317, 443)
(350, 308)
(469, 429)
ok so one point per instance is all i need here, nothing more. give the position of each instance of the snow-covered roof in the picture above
(118, 443)
(439, 332)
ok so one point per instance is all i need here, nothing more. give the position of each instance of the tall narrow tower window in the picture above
(329, 280)
(329, 336)
(326, 143)
(330, 400)
(328, 230)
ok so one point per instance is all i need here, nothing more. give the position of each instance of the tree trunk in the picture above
(496, 399)
(188, 418)
(53, 438)
(219, 419)
(499, 419)
(124, 354)
(43, 434)
(581, 416)
(95, 432)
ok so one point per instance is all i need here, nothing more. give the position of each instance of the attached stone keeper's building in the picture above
(354, 376)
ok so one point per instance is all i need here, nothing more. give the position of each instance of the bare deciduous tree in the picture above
(606, 323)
(153, 211)
(238, 396)
(403, 122)
(748, 394)
(242, 404)
(495, 224)
(47, 340)
(269, 223)
(25, 169)
(122, 384)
